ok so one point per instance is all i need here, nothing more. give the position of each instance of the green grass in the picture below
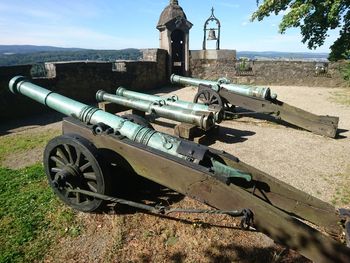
(12, 144)
(31, 217)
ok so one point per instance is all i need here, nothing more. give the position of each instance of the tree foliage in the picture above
(314, 18)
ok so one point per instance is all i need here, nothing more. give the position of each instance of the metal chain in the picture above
(246, 214)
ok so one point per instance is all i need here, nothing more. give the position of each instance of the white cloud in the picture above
(65, 36)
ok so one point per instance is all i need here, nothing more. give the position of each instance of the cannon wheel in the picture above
(71, 162)
(138, 120)
(208, 97)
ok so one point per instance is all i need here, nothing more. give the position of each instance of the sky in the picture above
(118, 24)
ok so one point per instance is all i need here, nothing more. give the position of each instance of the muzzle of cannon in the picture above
(149, 137)
(251, 91)
(202, 119)
(173, 101)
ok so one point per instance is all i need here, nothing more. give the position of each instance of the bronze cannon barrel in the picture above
(251, 91)
(203, 119)
(173, 101)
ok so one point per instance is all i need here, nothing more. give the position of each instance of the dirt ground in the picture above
(315, 164)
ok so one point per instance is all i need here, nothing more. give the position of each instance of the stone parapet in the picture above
(81, 80)
(272, 72)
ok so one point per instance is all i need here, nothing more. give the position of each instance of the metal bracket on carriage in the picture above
(345, 216)
(100, 128)
(194, 153)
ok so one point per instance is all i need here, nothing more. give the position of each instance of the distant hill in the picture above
(274, 55)
(28, 54)
(23, 49)
(21, 55)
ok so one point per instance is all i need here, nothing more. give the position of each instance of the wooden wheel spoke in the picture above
(206, 95)
(214, 100)
(55, 170)
(57, 160)
(85, 166)
(78, 197)
(90, 176)
(66, 147)
(77, 161)
(206, 98)
(61, 154)
(92, 186)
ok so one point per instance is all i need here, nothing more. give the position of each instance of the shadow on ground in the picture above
(233, 253)
(226, 135)
(236, 253)
(6, 127)
(339, 134)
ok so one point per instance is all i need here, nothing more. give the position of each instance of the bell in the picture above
(211, 35)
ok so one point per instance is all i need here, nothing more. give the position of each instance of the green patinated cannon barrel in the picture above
(259, 92)
(173, 101)
(202, 119)
(91, 115)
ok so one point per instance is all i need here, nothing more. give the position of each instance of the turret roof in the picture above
(170, 12)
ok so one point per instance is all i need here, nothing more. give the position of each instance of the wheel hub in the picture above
(69, 173)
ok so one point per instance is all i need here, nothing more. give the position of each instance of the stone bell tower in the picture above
(174, 37)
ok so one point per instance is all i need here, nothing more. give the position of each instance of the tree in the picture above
(315, 18)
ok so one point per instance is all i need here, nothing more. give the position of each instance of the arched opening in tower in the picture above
(178, 52)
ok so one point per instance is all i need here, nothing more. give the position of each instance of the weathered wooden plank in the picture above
(322, 125)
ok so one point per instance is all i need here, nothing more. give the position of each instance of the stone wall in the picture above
(81, 80)
(299, 73)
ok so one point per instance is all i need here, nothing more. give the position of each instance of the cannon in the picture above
(202, 119)
(258, 100)
(173, 101)
(77, 162)
(258, 92)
